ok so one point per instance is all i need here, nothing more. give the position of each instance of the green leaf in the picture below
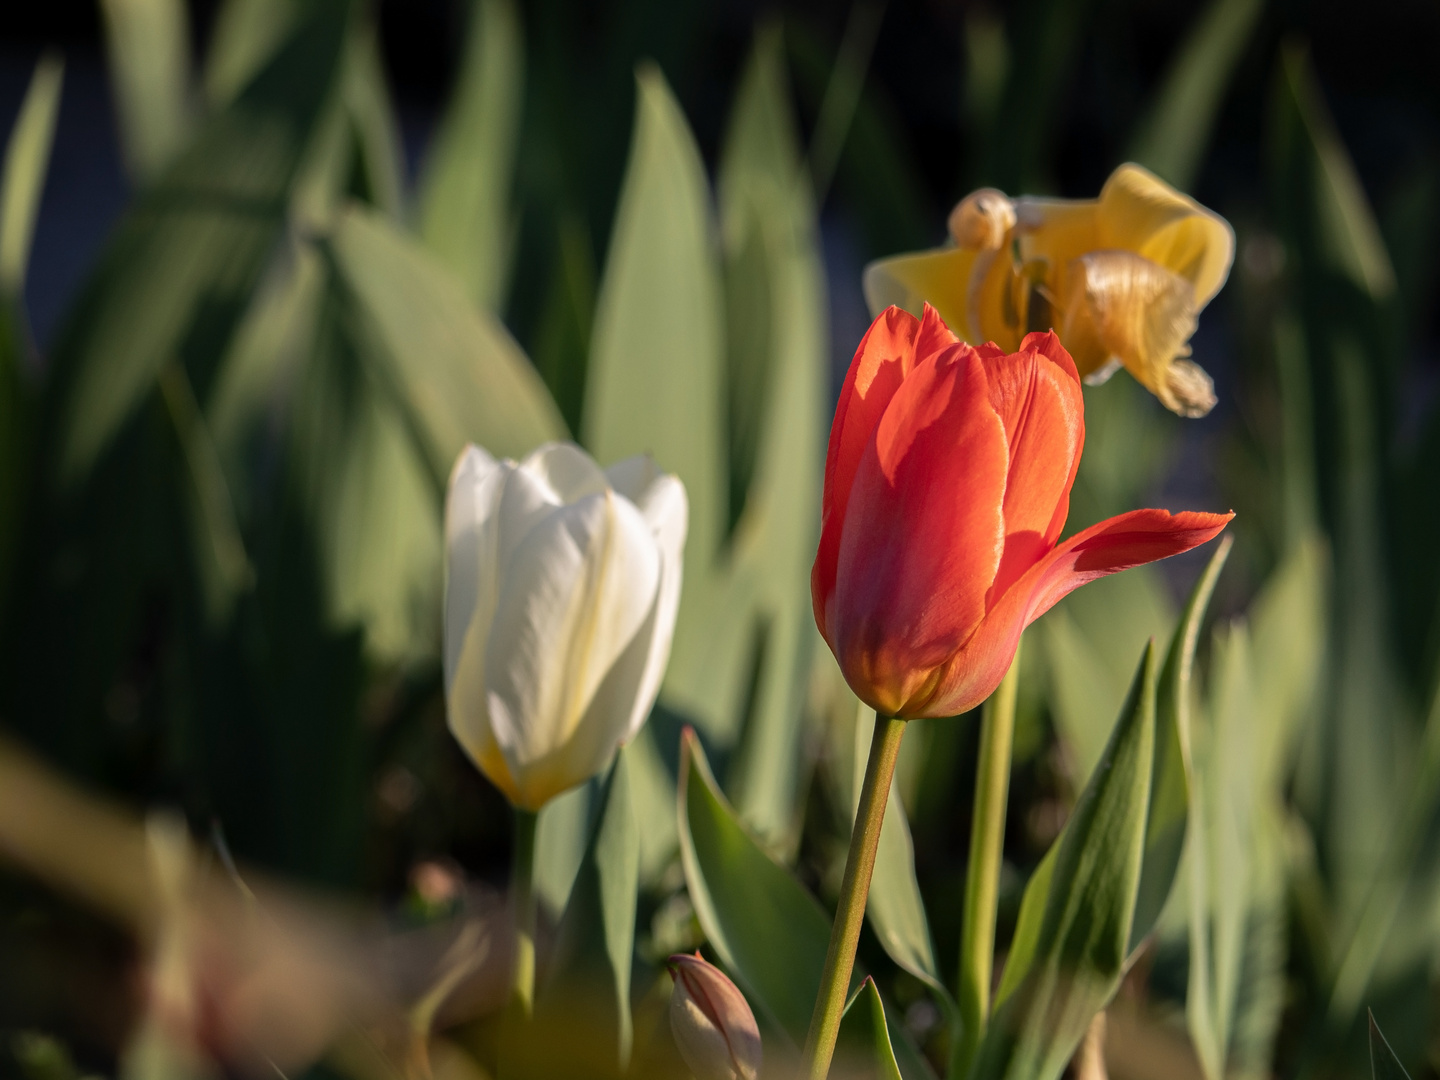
(768, 931)
(656, 377)
(596, 938)
(863, 1049)
(223, 565)
(27, 159)
(1172, 138)
(378, 163)
(1348, 234)
(148, 45)
(778, 380)
(1071, 951)
(1237, 892)
(246, 35)
(367, 487)
(1170, 786)
(1384, 1065)
(455, 368)
(561, 833)
(178, 273)
(1090, 640)
(465, 215)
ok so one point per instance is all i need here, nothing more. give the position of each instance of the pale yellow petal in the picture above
(939, 277)
(1139, 212)
(1121, 305)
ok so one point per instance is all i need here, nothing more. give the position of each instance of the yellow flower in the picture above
(1121, 278)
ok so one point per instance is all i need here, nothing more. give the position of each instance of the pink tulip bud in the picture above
(713, 1025)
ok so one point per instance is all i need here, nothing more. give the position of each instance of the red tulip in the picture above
(946, 487)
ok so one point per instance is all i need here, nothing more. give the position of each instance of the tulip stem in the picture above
(854, 889)
(982, 875)
(522, 891)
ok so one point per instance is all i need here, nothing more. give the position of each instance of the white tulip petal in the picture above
(474, 491)
(661, 498)
(569, 471)
(573, 597)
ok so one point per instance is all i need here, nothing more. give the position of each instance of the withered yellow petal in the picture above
(1119, 304)
(1141, 213)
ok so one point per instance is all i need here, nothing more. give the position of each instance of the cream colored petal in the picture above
(1141, 213)
(661, 499)
(573, 596)
(982, 220)
(940, 277)
(569, 471)
(471, 538)
(1124, 306)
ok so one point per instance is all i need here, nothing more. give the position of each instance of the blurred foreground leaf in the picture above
(27, 160)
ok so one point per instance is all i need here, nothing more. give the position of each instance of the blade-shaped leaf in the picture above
(1071, 951)
(455, 367)
(767, 930)
(1349, 236)
(148, 45)
(1384, 1065)
(464, 204)
(590, 972)
(27, 159)
(863, 1049)
(178, 273)
(1170, 786)
(1172, 139)
(561, 834)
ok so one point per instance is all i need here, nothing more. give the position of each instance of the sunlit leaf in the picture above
(458, 372)
(1071, 950)
(770, 933)
(464, 198)
(1170, 797)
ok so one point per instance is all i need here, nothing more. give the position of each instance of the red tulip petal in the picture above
(1036, 392)
(923, 535)
(888, 352)
(1132, 539)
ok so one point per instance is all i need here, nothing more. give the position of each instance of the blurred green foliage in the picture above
(221, 488)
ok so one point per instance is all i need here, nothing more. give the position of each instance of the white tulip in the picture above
(562, 584)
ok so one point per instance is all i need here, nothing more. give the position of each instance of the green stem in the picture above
(854, 889)
(982, 876)
(523, 897)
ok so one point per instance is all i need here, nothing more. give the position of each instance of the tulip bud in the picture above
(981, 220)
(562, 585)
(712, 1023)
